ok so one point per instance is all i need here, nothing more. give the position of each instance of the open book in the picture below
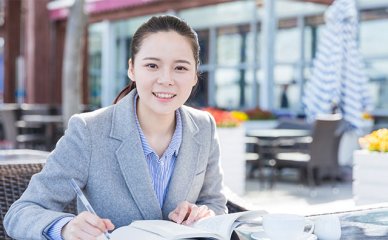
(217, 227)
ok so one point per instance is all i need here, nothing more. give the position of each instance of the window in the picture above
(375, 51)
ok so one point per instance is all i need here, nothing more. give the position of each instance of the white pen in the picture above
(85, 201)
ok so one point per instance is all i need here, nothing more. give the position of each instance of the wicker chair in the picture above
(16, 169)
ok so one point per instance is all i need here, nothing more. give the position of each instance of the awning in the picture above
(59, 9)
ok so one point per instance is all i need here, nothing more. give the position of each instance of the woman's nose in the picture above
(166, 78)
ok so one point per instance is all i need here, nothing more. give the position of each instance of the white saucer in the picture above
(262, 236)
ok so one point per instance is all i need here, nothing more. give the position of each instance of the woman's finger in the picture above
(180, 213)
(194, 211)
(86, 226)
(108, 224)
(183, 212)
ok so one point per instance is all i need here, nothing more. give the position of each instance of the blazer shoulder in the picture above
(197, 114)
(97, 119)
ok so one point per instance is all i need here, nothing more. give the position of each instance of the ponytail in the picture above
(125, 91)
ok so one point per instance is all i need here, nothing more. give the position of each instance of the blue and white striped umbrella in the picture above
(338, 74)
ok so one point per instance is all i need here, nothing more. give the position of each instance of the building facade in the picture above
(235, 38)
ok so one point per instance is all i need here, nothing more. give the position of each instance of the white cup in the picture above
(327, 227)
(279, 226)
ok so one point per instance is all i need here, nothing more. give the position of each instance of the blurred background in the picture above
(252, 51)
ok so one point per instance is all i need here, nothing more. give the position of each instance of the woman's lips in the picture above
(164, 95)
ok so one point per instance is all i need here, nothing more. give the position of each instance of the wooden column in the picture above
(37, 52)
(11, 47)
(58, 40)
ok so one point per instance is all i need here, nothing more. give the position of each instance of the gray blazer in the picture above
(102, 151)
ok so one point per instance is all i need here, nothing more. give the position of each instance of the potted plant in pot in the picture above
(371, 167)
(259, 118)
(232, 146)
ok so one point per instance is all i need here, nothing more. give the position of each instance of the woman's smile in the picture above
(163, 95)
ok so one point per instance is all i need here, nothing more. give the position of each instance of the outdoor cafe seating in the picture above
(33, 126)
(310, 149)
(288, 134)
(318, 158)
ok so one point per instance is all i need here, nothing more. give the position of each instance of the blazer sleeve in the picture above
(212, 193)
(50, 191)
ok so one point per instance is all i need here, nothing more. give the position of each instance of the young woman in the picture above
(145, 157)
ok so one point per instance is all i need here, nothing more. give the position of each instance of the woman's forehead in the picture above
(166, 44)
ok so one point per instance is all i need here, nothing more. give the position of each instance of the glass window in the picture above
(203, 38)
(233, 12)
(227, 88)
(249, 88)
(249, 48)
(94, 61)
(233, 88)
(378, 73)
(199, 97)
(287, 91)
(122, 51)
(287, 45)
(308, 43)
(373, 39)
(374, 48)
(229, 46)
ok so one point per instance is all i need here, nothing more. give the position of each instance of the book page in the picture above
(223, 225)
(218, 227)
(171, 230)
(128, 232)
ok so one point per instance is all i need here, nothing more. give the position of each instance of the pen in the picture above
(85, 201)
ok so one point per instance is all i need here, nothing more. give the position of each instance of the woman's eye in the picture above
(152, 66)
(181, 68)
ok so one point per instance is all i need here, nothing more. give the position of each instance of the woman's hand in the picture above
(187, 213)
(86, 226)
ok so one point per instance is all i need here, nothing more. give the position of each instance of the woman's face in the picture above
(164, 71)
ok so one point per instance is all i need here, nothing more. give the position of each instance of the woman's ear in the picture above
(131, 70)
(196, 80)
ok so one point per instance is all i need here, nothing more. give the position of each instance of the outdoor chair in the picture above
(293, 124)
(16, 169)
(291, 143)
(258, 159)
(320, 158)
(8, 120)
(252, 156)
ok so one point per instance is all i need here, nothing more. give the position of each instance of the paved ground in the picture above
(290, 196)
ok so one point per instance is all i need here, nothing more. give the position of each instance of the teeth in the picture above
(164, 95)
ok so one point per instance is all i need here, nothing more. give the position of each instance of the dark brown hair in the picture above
(157, 24)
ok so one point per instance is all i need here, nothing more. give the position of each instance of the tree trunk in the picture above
(72, 61)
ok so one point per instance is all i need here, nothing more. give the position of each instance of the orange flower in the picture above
(224, 118)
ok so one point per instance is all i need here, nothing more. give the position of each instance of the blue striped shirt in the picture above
(161, 168)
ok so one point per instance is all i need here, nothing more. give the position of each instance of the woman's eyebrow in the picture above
(183, 61)
(176, 61)
(151, 58)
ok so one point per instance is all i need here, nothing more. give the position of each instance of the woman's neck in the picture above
(158, 128)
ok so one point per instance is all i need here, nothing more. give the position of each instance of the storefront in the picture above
(234, 48)
(232, 41)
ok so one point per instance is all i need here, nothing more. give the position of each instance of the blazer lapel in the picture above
(185, 166)
(131, 158)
